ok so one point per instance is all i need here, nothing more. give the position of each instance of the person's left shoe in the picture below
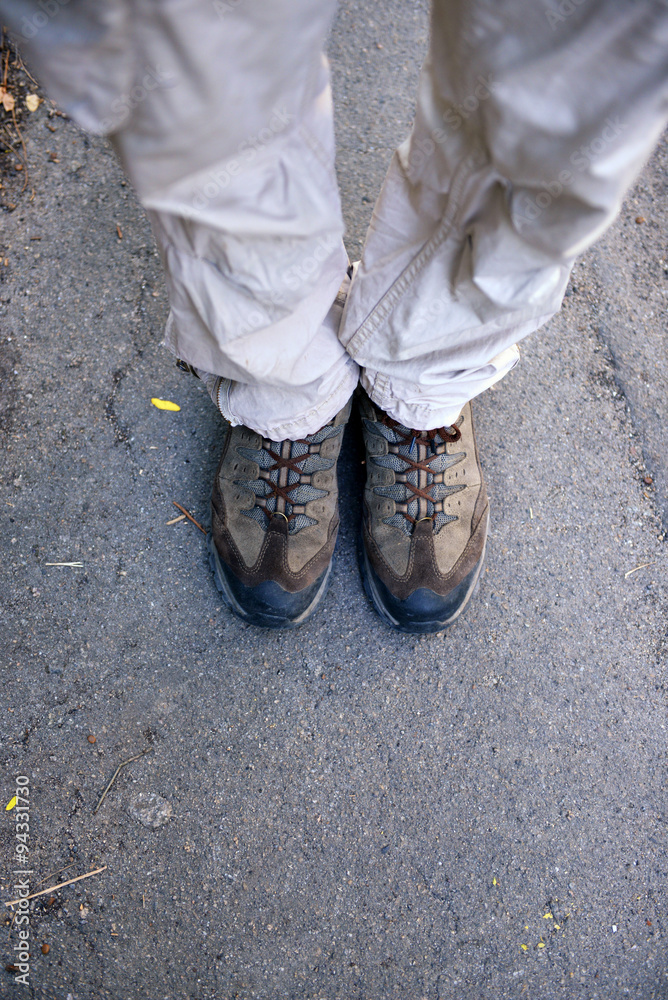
(425, 520)
(274, 523)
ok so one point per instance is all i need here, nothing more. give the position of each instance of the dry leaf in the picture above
(8, 101)
(32, 102)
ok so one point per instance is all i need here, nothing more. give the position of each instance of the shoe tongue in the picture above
(405, 439)
(394, 435)
(328, 431)
(298, 448)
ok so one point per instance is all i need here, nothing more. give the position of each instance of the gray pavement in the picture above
(355, 813)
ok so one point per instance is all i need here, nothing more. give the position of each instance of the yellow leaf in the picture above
(557, 927)
(541, 944)
(524, 947)
(548, 916)
(165, 404)
(32, 102)
(10, 804)
(494, 881)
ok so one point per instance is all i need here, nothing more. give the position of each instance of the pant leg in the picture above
(531, 125)
(220, 112)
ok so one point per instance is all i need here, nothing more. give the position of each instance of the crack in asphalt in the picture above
(641, 465)
(140, 340)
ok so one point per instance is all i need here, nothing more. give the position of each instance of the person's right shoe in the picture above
(425, 520)
(274, 522)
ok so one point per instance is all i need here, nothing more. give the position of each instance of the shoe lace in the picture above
(284, 485)
(419, 460)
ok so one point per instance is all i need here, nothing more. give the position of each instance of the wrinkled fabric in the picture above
(533, 119)
(531, 125)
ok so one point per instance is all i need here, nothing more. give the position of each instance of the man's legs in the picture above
(531, 125)
(237, 174)
(220, 112)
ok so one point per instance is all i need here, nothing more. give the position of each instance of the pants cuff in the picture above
(427, 407)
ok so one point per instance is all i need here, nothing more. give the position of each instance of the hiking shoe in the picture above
(274, 522)
(425, 520)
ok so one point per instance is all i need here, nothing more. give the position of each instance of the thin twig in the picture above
(25, 151)
(115, 775)
(9, 149)
(189, 516)
(53, 888)
(57, 872)
(22, 66)
(636, 568)
(16, 125)
(64, 564)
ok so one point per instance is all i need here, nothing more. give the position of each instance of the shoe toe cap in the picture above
(267, 604)
(424, 610)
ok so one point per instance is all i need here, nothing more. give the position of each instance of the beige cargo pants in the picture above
(533, 118)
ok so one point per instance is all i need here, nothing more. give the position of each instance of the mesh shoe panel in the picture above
(284, 484)
(419, 461)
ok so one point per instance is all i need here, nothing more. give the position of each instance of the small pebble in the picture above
(46, 949)
(648, 480)
(640, 219)
(91, 738)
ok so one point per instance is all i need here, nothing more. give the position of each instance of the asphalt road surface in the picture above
(348, 812)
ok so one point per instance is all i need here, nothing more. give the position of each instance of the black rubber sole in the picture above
(267, 605)
(424, 612)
